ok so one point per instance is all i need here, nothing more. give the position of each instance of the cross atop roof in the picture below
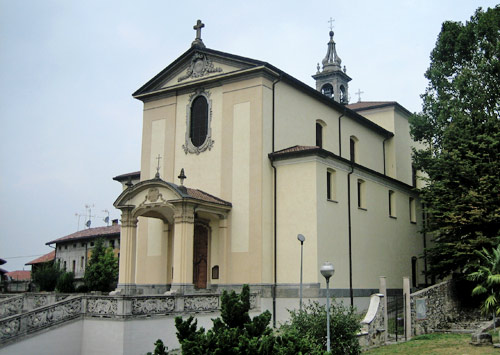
(198, 41)
(331, 23)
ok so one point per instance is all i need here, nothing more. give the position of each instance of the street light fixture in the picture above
(301, 239)
(327, 270)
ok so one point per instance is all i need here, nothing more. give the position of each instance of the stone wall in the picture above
(434, 309)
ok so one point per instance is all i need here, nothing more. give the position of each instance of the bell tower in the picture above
(332, 80)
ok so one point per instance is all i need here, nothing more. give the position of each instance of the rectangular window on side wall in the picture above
(73, 266)
(413, 212)
(330, 185)
(392, 204)
(361, 194)
(82, 262)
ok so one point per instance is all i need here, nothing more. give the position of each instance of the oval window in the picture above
(199, 121)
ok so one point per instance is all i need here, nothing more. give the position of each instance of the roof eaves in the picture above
(327, 154)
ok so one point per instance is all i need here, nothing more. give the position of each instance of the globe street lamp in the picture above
(327, 270)
(301, 239)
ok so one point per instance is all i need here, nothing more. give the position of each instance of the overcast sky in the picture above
(68, 69)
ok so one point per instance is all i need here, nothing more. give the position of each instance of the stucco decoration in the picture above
(11, 306)
(201, 303)
(10, 328)
(199, 67)
(39, 301)
(153, 305)
(102, 306)
(208, 143)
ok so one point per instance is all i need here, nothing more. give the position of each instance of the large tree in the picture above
(460, 131)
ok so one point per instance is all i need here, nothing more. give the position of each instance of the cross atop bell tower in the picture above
(331, 79)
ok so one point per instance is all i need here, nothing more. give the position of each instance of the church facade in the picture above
(239, 157)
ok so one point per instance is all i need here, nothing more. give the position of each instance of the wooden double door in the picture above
(200, 257)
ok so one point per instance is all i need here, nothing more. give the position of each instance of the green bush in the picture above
(81, 289)
(66, 282)
(311, 323)
(236, 333)
(46, 276)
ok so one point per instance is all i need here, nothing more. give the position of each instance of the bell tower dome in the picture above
(332, 80)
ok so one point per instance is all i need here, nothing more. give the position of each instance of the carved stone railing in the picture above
(56, 309)
(41, 318)
(153, 305)
(11, 306)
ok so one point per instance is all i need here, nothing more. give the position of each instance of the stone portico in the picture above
(183, 225)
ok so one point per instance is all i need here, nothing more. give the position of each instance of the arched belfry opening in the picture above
(331, 80)
(166, 237)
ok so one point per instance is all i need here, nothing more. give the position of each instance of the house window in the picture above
(330, 185)
(352, 149)
(74, 245)
(361, 194)
(73, 267)
(413, 213)
(83, 244)
(414, 271)
(82, 262)
(392, 203)
(112, 243)
(319, 135)
(91, 244)
(413, 176)
(198, 132)
(64, 266)
(65, 247)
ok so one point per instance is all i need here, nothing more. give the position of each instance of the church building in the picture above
(239, 157)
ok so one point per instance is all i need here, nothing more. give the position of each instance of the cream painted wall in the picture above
(296, 116)
(297, 213)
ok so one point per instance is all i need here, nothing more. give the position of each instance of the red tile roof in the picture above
(296, 148)
(89, 233)
(204, 196)
(19, 275)
(44, 258)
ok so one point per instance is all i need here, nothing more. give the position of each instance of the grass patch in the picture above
(436, 343)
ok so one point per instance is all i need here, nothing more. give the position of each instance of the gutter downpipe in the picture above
(351, 294)
(340, 134)
(275, 208)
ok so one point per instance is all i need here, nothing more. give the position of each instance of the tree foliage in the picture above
(460, 131)
(488, 277)
(101, 272)
(46, 276)
(311, 324)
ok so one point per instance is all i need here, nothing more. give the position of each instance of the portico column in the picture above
(223, 250)
(126, 276)
(183, 248)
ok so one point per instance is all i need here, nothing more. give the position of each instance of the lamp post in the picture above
(301, 239)
(327, 270)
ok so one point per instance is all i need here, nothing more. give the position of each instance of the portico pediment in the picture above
(161, 199)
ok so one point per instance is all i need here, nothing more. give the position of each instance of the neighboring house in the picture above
(73, 251)
(18, 281)
(239, 157)
(42, 261)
